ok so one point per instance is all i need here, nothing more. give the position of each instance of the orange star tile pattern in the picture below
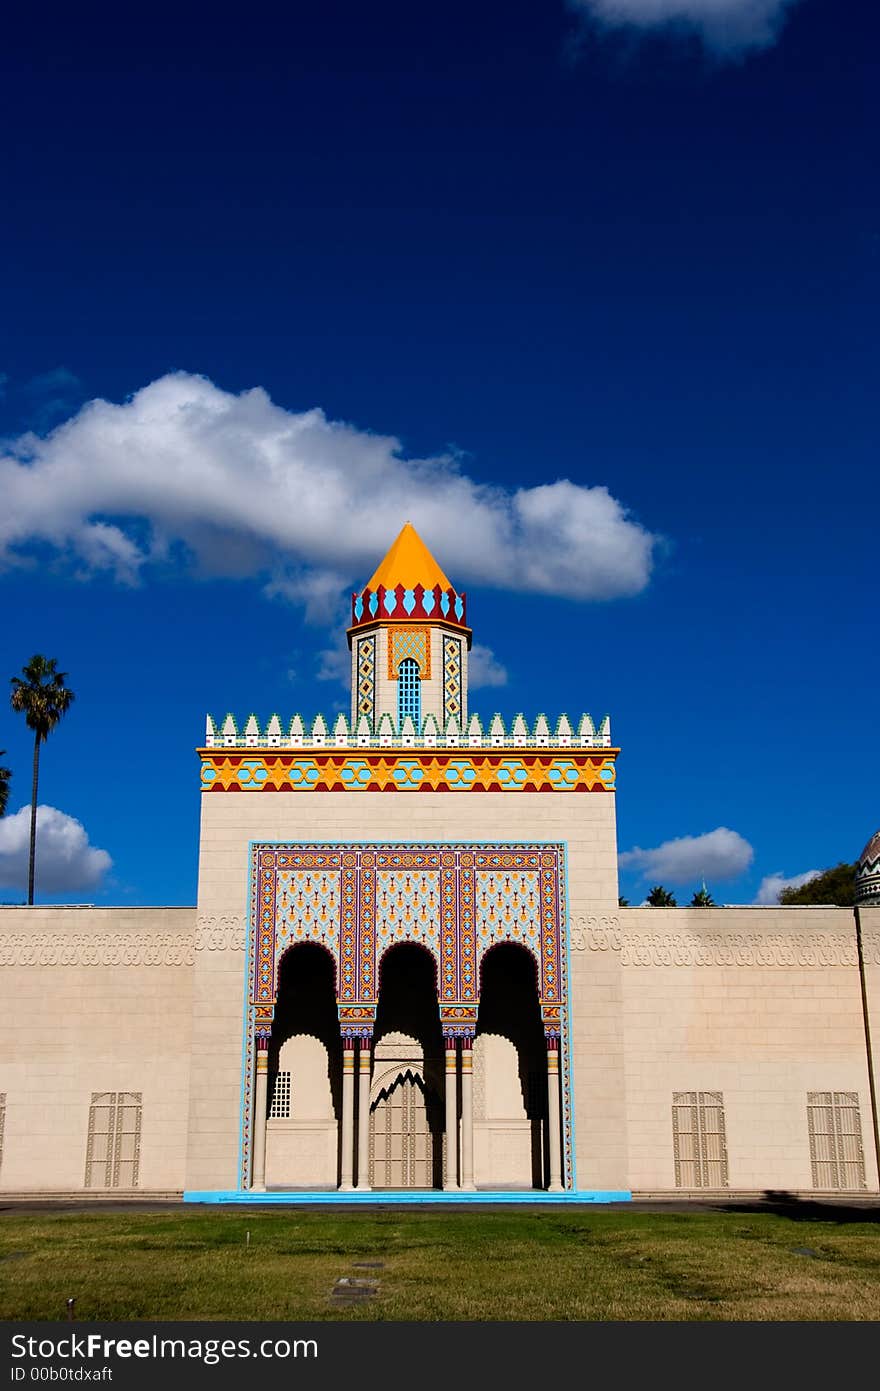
(422, 770)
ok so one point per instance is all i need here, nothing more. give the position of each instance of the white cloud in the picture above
(726, 27)
(772, 885)
(65, 860)
(717, 855)
(241, 487)
(484, 668)
(334, 663)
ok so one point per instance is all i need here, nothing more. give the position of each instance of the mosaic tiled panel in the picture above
(510, 900)
(366, 678)
(451, 678)
(408, 908)
(423, 770)
(307, 908)
(360, 899)
(405, 641)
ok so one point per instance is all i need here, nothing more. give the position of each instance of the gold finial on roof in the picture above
(409, 562)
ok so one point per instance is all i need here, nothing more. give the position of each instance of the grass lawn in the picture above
(435, 1265)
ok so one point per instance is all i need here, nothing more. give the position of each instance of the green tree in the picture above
(622, 902)
(5, 776)
(42, 697)
(702, 898)
(660, 898)
(835, 886)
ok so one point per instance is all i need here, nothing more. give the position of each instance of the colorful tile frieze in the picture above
(413, 770)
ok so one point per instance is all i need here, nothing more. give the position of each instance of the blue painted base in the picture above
(414, 1197)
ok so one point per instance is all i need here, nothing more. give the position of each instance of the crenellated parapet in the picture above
(321, 733)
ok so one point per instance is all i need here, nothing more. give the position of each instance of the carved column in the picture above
(553, 1127)
(467, 1113)
(261, 1089)
(363, 1145)
(450, 1177)
(347, 1167)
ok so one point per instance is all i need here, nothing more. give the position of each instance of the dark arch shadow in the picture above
(509, 1006)
(408, 1005)
(408, 995)
(406, 1074)
(307, 1005)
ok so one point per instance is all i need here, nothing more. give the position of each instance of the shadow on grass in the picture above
(784, 1204)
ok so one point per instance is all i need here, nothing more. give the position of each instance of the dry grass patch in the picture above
(509, 1265)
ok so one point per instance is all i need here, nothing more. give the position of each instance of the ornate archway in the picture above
(457, 902)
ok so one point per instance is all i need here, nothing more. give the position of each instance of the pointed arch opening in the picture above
(510, 1078)
(305, 1073)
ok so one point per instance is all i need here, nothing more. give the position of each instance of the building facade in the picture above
(407, 974)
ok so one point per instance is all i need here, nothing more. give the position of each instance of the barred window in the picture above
(409, 692)
(699, 1140)
(280, 1108)
(836, 1154)
(114, 1140)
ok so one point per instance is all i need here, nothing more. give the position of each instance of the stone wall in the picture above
(95, 1000)
(761, 1005)
(754, 1008)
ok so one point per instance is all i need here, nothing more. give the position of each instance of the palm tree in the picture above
(42, 697)
(660, 898)
(5, 775)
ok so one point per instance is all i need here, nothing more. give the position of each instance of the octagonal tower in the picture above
(409, 642)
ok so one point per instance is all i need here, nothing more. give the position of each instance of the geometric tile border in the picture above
(411, 770)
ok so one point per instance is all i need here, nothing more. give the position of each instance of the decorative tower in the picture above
(868, 873)
(409, 642)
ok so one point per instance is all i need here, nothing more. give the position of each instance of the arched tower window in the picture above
(409, 692)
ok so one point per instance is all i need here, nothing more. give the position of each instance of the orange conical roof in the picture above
(409, 562)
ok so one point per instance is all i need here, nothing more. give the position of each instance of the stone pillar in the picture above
(450, 1177)
(261, 1090)
(467, 1113)
(346, 1178)
(553, 1128)
(363, 1146)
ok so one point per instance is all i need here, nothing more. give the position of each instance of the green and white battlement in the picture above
(339, 733)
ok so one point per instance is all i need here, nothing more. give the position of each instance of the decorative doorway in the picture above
(406, 1115)
(401, 1143)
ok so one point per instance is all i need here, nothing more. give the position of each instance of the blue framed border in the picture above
(567, 1058)
(529, 1197)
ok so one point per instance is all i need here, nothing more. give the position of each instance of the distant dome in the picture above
(868, 872)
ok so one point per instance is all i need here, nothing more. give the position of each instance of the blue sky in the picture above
(588, 296)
